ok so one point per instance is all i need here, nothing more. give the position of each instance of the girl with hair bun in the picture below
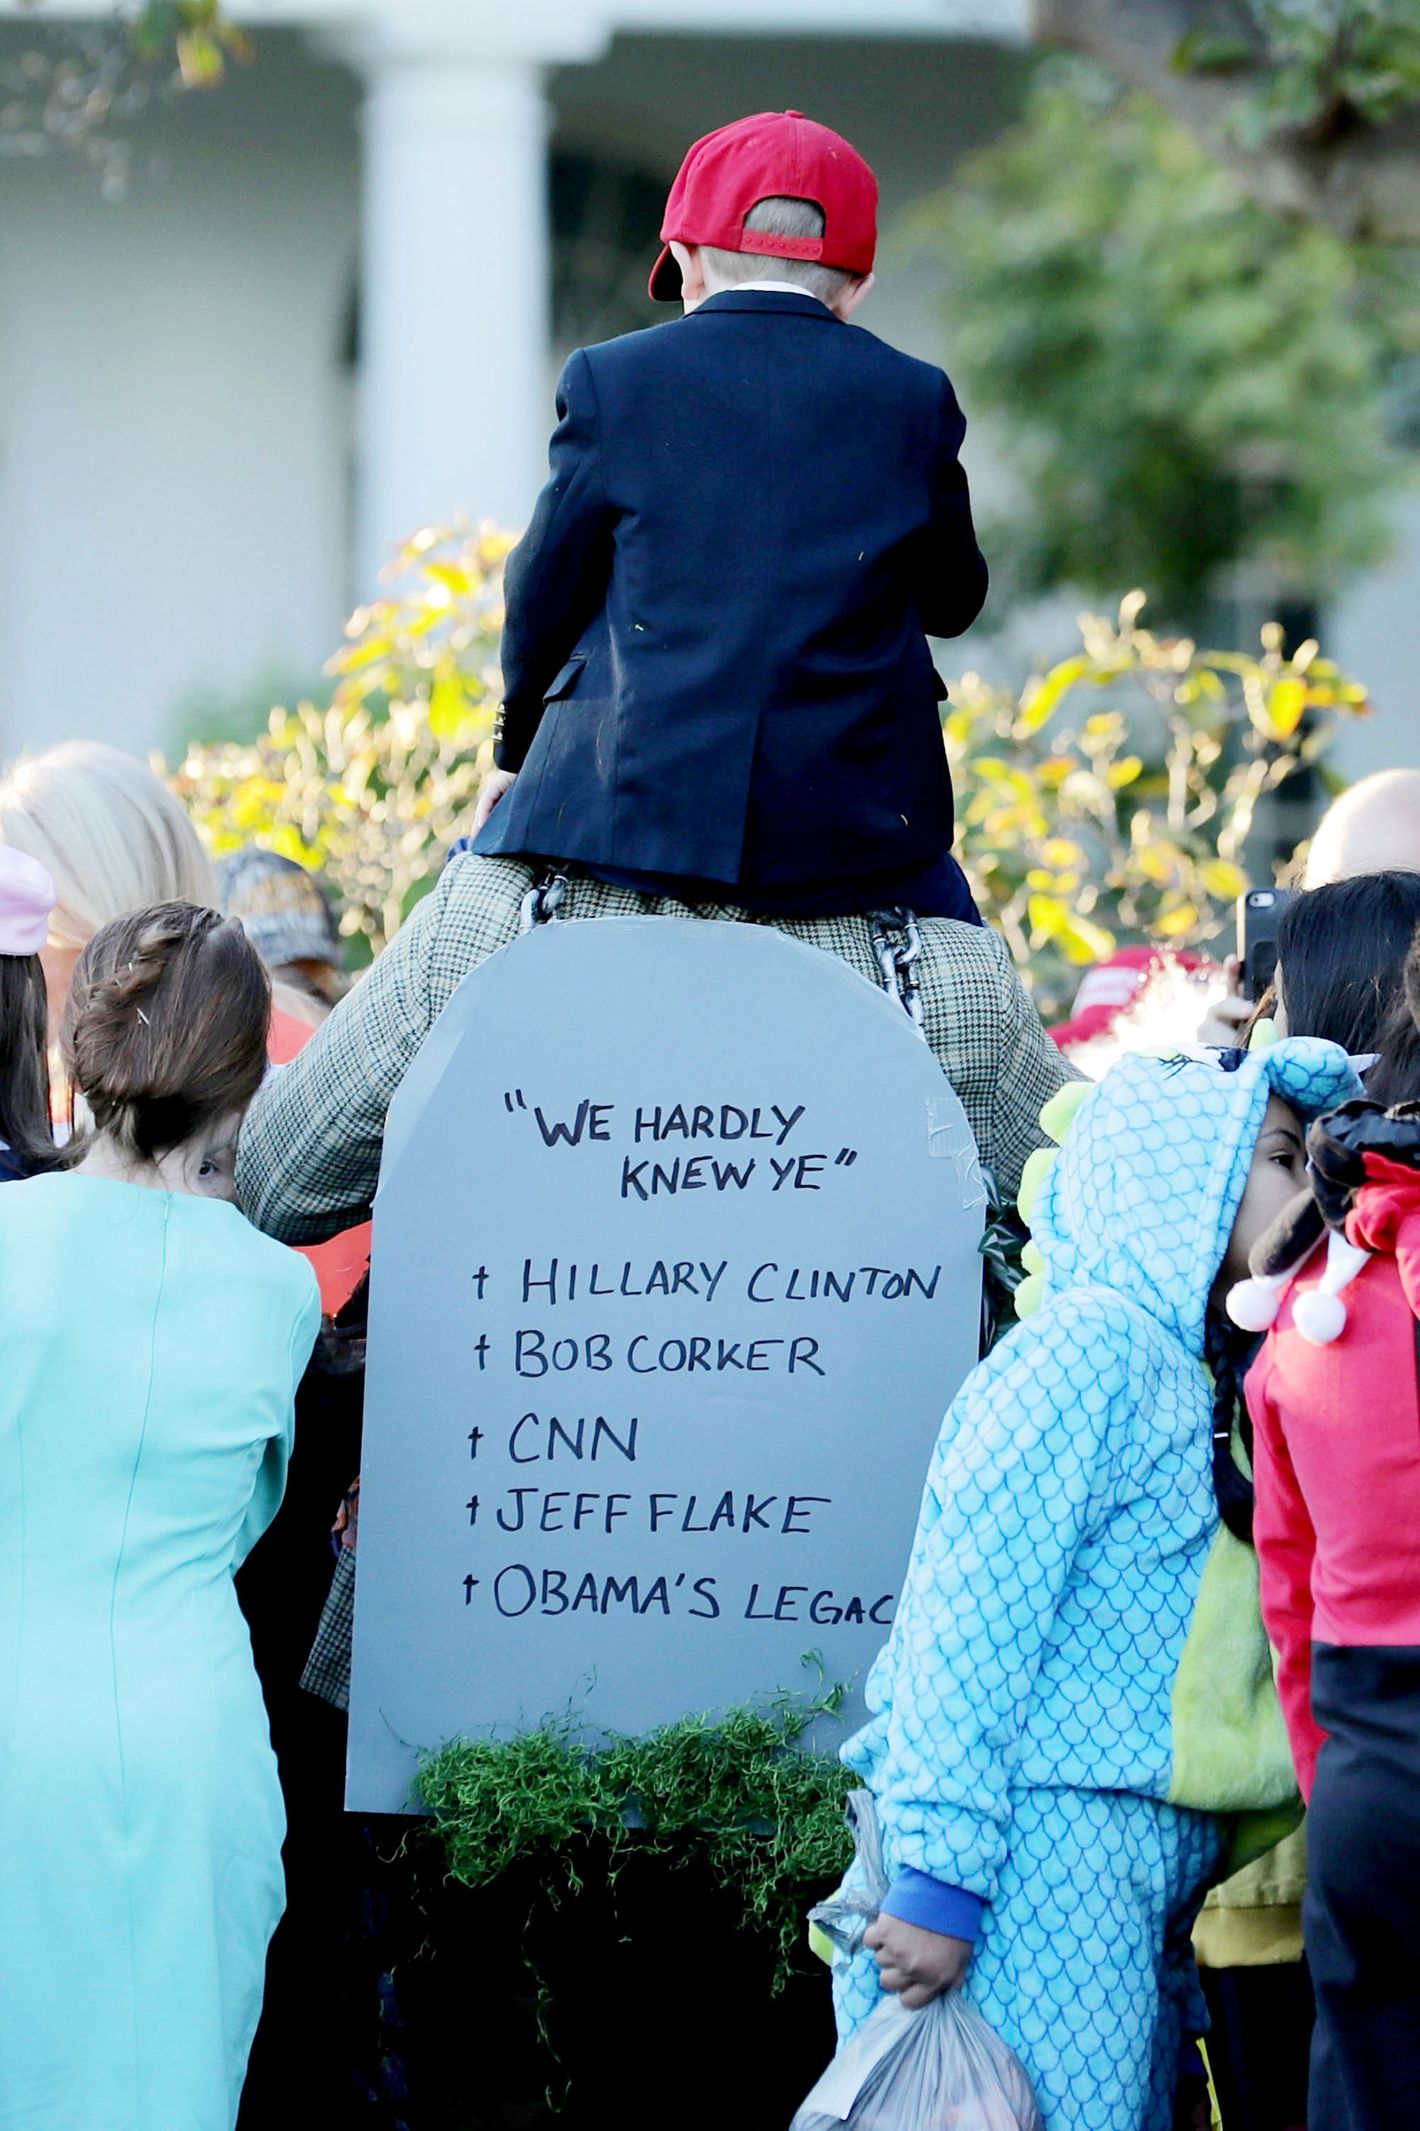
(144, 1439)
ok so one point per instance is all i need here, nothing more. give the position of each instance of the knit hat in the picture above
(26, 898)
(282, 908)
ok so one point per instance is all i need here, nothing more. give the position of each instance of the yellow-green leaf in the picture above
(1223, 879)
(1158, 861)
(1285, 707)
(199, 57)
(448, 709)
(1084, 941)
(1043, 697)
(1047, 916)
(455, 577)
(364, 652)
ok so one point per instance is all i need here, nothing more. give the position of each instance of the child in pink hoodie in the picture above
(1336, 1410)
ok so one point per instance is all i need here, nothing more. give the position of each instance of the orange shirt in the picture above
(340, 1263)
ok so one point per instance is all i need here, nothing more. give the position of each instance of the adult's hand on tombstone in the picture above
(915, 1964)
(495, 785)
(1228, 1016)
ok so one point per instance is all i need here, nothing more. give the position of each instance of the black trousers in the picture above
(301, 2062)
(1362, 1912)
(1259, 2043)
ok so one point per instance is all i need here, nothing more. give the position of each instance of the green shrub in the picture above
(1181, 379)
(372, 788)
(1114, 798)
(1110, 799)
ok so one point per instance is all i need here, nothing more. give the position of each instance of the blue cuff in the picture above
(914, 1898)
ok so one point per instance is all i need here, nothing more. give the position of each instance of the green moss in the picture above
(739, 1791)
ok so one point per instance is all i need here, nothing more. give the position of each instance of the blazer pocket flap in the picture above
(563, 683)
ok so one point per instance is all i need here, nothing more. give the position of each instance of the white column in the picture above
(455, 409)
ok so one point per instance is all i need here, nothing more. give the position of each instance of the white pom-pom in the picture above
(1253, 1304)
(1319, 1317)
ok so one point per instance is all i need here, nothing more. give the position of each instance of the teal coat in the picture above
(150, 1347)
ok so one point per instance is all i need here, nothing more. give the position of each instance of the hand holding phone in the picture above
(1259, 915)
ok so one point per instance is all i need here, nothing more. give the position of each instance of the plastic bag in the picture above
(846, 1915)
(937, 2069)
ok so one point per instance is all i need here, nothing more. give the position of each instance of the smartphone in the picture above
(1259, 915)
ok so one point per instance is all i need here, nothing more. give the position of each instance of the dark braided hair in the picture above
(24, 1068)
(165, 1028)
(1227, 1351)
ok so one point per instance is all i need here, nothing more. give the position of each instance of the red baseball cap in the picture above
(772, 155)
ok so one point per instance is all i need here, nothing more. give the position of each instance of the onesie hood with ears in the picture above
(1146, 1187)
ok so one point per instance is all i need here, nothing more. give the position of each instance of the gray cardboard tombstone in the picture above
(675, 1271)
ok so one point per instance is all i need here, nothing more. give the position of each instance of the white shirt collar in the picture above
(775, 288)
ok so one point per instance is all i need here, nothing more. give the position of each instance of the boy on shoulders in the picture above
(717, 678)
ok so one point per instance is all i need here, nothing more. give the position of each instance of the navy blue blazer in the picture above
(715, 656)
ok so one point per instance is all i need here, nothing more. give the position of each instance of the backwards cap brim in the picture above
(665, 284)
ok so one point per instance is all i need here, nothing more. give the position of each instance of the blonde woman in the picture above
(112, 838)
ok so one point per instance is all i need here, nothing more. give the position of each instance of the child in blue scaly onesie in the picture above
(1052, 1735)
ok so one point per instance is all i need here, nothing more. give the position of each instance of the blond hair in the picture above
(777, 217)
(112, 836)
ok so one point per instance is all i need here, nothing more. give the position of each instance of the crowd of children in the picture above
(1074, 1729)
(1069, 1732)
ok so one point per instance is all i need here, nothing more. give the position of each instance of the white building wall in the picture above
(1375, 633)
(177, 419)
(177, 503)
(173, 413)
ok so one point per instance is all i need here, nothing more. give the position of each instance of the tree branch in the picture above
(1364, 183)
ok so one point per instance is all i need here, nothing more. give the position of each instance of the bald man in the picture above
(1373, 828)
